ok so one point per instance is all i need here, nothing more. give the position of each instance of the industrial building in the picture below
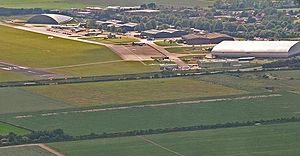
(210, 38)
(49, 19)
(167, 33)
(258, 49)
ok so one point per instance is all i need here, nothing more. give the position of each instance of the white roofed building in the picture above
(49, 19)
(258, 49)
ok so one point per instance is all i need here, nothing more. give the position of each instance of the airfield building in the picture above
(54, 19)
(258, 49)
(210, 38)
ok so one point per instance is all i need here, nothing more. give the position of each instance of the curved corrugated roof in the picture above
(55, 17)
(254, 46)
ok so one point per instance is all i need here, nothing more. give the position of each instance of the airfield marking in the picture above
(160, 146)
(84, 64)
(149, 105)
(42, 146)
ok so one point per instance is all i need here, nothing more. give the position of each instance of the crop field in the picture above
(36, 50)
(107, 68)
(132, 91)
(11, 76)
(5, 129)
(275, 140)
(24, 151)
(13, 100)
(54, 4)
(187, 50)
(116, 41)
(198, 112)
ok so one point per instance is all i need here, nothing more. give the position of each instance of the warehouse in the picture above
(211, 38)
(258, 49)
(167, 33)
(49, 19)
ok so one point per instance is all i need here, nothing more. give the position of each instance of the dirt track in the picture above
(43, 146)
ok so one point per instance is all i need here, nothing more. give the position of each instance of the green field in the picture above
(11, 76)
(36, 50)
(116, 41)
(6, 129)
(24, 151)
(13, 100)
(187, 50)
(124, 92)
(82, 3)
(275, 140)
(107, 68)
(199, 113)
(165, 43)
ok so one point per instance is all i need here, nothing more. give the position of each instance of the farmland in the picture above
(275, 140)
(24, 151)
(83, 3)
(196, 113)
(6, 129)
(14, 100)
(132, 91)
(117, 41)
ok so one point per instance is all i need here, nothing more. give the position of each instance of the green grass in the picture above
(275, 140)
(116, 41)
(6, 129)
(11, 76)
(132, 91)
(78, 123)
(82, 3)
(13, 100)
(24, 151)
(36, 50)
(110, 68)
(165, 43)
(187, 50)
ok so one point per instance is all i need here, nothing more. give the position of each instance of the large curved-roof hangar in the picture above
(259, 49)
(49, 19)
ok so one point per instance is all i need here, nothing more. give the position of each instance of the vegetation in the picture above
(273, 140)
(36, 50)
(54, 4)
(11, 76)
(117, 41)
(24, 151)
(166, 43)
(132, 91)
(6, 129)
(292, 63)
(93, 120)
(187, 50)
(15, 100)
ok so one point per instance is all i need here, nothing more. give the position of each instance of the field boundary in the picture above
(42, 146)
(17, 126)
(160, 146)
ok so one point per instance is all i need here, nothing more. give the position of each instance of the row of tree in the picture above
(58, 135)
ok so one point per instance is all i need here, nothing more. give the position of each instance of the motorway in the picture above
(28, 71)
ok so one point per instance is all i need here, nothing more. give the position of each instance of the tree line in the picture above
(59, 135)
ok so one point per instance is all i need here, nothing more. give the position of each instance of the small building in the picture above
(167, 33)
(54, 19)
(210, 38)
(257, 49)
